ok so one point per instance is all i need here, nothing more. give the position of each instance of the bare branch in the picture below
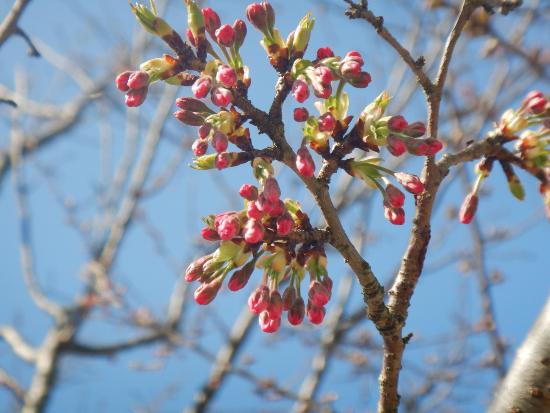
(9, 24)
(20, 347)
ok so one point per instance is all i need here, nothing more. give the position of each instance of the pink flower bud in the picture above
(259, 299)
(253, 212)
(355, 55)
(249, 192)
(226, 76)
(138, 79)
(321, 90)
(395, 215)
(275, 305)
(326, 122)
(362, 80)
(257, 16)
(350, 68)
(227, 226)
(221, 96)
(411, 183)
(211, 20)
(199, 147)
(468, 208)
(121, 81)
(219, 142)
(192, 105)
(240, 33)
(324, 52)
(201, 87)
(415, 130)
(394, 196)
(135, 97)
(434, 146)
(397, 123)
(194, 270)
(296, 312)
(267, 324)
(300, 90)
(253, 231)
(318, 294)
(209, 234)
(285, 224)
(417, 147)
(301, 114)
(532, 95)
(263, 204)
(289, 296)
(206, 293)
(271, 189)
(314, 313)
(204, 130)
(537, 105)
(327, 282)
(188, 117)
(396, 146)
(304, 162)
(323, 74)
(278, 208)
(223, 160)
(240, 278)
(225, 35)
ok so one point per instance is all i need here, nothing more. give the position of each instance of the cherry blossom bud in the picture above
(324, 52)
(271, 189)
(221, 96)
(394, 196)
(468, 208)
(537, 105)
(396, 216)
(350, 68)
(201, 87)
(225, 35)
(257, 16)
(121, 81)
(326, 122)
(434, 146)
(275, 305)
(277, 209)
(240, 277)
(195, 269)
(534, 94)
(296, 312)
(354, 54)
(223, 160)
(249, 192)
(259, 299)
(253, 231)
(304, 162)
(362, 80)
(206, 293)
(199, 147)
(138, 79)
(289, 296)
(415, 130)
(211, 20)
(396, 146)
(219, 142)
(300, 90)
(397, 123)
(321, 90)
(227, 226)
(314, 313)
(204, 130)
(318, 294)
(301, 114)
(323, 74)
(240, 33)
(264, 204)
(193, 105)
(253, 212)
(135, 97)
(417, 147)
(411, 183)
(327, 282)
(188, 117)
(285, 223)
(209, 234)
(267, 324)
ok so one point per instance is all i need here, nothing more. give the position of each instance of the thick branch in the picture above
(18, 344)
(9, 24)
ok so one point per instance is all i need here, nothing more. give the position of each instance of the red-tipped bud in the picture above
(285, 224)
(537, 105)
(326, 122)
(219, 142)
(221, 96)
(271, 190)
(204, 130)
(135, 97)
(355, 55)
(199, 147)
(240, 277)
(350, 68)
(249, 192)
(206, 293)
(227, 226)
(275, 305)
(188, 117)
(468, 208)
(301, 114)
(411, 183)
(395, 215)
(415, 130)
(434, 146)
(327, 282)
(253, 231)
(304, 162)
(300, 90)
(121, 81)
(138, 79)
(289, 296)
(296, 312)
(223, 160)
(396, 146)
(194, 270)
(253, 212)
(397, 123)
(259, 299)
(324, 52)
(362, 80)
(263, 204)
(257, 16)
(201, 87)
(394, 196)
(278, 209)
(323, 74)
(211, 20)
(240, 32)
(209, 234)
(268, 324)
(314, 313)
(321, 90)
(225, 35)
(192, 105)
(417, 147)
(318, 294)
